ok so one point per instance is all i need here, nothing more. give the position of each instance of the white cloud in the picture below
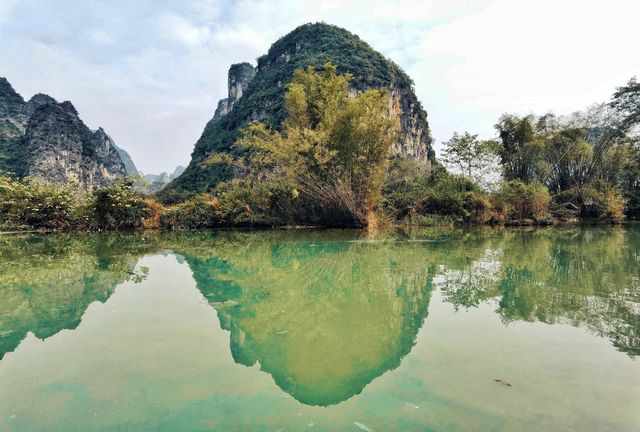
(6, 7)
(241, 36)
(102, 37)
(183, 31)
(157, 69)
(532, 56)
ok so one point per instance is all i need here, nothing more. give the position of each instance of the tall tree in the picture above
(333, 149)
(472, 158)
(519, 147)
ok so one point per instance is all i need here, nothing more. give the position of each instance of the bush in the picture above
(118, 206)
(599, 201)
(200, 212)
(36, 204)
(234, 204)
(524, 201)
(423, 195)
(153, 214)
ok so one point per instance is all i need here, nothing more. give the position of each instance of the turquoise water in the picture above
(322, 330)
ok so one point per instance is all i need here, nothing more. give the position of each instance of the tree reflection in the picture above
(583, 276)
(47, 282)
(326, 312)
(324, 316)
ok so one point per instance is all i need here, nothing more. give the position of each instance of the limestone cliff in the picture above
(257, 94)
(239, 76)
(46, 139)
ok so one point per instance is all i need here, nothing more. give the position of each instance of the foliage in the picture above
(588, 161)
(519, 149)
(594, 201)
(36, 204)
(474, 159)
(631, 181)
(524, 201)
(153, 214)
(333, 149)
(626, 103)
(119, 206)
(310, 45)
(199, 212)
(420, 196)
(232, 204)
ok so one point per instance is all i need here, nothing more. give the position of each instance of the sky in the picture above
(151, 72)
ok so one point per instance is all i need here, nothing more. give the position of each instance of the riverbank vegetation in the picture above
(331, 164)
(33, 204)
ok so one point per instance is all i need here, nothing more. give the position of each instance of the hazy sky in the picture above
(151, 72)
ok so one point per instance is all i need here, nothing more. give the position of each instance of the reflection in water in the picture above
(323, 316)
(324, 313)
(47, 283)
(581, 276)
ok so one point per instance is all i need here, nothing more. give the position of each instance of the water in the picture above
(322, 330)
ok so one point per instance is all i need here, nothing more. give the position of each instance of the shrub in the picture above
(423, 195)
(199, 212)
(524, 201)
(235, 204)
(153, 214)
(37, 204)
(598, 200)
(118, 206)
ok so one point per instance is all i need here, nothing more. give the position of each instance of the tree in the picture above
(626, 102)
(474, 159)
(333, 149)
(519, 149)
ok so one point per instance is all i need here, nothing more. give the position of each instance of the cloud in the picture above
(6, 7)
(184, 31)
(151, 73)
(527, 56)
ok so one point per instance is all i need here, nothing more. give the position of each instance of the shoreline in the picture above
(509, 225)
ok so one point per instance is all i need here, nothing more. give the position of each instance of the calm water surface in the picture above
(326, 330)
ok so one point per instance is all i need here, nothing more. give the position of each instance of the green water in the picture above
(322, 330)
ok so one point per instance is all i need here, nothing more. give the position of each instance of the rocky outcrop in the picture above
(415, 137)
(45, 139)
(239, 77)
(258, 95)
(61, 149)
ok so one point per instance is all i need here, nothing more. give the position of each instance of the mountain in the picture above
(129, 166)
(46, 139)
(256, 94)
(155, 182)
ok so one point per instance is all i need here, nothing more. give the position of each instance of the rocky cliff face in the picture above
(240, 75)
(129, 166)
(257, 94)
(46, 139)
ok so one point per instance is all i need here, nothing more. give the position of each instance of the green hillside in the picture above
(310, 44)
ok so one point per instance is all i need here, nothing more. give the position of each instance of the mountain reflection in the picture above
(326, 312)
(47, 283)
(323, 316)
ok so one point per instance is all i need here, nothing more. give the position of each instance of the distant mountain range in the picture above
(155, 182)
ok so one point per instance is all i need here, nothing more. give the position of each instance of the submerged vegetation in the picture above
(330, 164)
